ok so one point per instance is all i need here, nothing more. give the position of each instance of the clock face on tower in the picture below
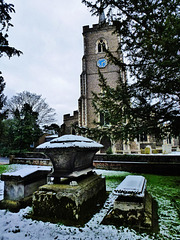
(102, 62)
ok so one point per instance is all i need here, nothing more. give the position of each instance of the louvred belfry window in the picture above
(101, 46)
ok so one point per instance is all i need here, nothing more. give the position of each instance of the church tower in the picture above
(96, 40)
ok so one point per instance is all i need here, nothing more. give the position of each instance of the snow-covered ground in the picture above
(174, 153)
(14, 226)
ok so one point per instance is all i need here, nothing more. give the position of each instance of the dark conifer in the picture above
(150, 42)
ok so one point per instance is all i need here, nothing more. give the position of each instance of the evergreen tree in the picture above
(52, 129)
(5, 23)
(5, 49)
(21, 132)
(113, 106)
(150, 42)
(26, 128)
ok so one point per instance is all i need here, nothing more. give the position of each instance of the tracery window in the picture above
(101, 46)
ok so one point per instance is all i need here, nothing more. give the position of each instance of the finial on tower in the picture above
(102, 18)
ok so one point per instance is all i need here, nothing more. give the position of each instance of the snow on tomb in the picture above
(71, 155)
(70, 141)
(132, 186)
(131, 193)
(22, 183)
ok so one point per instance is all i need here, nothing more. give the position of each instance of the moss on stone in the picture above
(72, 205)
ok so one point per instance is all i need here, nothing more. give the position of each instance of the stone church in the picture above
(97, 39)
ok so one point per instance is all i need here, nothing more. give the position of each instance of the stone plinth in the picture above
(70, 203)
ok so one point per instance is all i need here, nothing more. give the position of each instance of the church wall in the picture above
(68, 122)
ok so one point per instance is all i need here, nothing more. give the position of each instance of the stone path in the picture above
(108, 205)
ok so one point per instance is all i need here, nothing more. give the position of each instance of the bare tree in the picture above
(46, 115)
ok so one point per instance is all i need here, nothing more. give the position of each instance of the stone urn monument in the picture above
(76, 190)
(71, 155)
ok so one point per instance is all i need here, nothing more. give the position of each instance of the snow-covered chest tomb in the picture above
(132, 186)
(22, 183)
(131, 193)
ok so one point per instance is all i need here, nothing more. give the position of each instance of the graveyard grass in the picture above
(165, 190)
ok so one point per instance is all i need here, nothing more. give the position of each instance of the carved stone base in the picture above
(71, 204)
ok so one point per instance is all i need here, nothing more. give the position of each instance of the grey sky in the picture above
(49, 33)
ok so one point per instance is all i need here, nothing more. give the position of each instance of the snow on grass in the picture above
(15, 227)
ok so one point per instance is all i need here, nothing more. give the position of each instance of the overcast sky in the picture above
(49, 33)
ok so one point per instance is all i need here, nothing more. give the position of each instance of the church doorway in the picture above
(73, 132)
(106, 142)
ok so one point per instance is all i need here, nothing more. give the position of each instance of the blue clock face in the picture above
(101, 63)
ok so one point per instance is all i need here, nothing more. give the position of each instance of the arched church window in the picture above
(101, 46)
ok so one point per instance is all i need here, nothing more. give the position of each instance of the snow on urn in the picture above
(71, 155)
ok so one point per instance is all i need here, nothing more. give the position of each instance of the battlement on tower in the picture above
(68, 117)
(97, 27)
